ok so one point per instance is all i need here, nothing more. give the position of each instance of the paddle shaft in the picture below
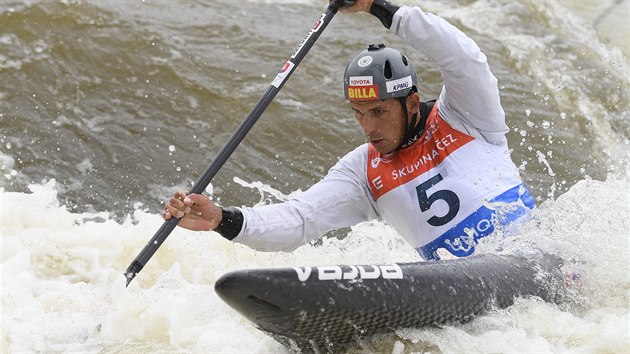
(167, 227)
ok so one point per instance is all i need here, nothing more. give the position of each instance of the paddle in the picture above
(278, 82)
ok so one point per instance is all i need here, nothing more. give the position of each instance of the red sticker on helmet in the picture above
(363, 93)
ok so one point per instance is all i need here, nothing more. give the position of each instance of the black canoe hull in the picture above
(325, 308)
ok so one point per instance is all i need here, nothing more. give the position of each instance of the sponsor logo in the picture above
(365, 61)
(363, 93)
(318, 24)
(442, 143)
(282, 74)
(465, 243)
(388, 271)
(361, 81)
(377, 182)
(377, 160)
(400, 84)
(425, 159)
(315, 28)
(286, 67)
(429, 131)
(461, 244)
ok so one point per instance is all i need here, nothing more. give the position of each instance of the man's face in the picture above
(382, 122)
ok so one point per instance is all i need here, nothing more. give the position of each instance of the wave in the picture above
(63, 288)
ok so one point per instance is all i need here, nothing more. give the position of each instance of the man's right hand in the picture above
(196, 211)
(359, 6)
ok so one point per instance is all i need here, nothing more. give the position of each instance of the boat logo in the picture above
(388, 271)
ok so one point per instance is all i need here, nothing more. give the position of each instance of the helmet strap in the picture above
(413, 131)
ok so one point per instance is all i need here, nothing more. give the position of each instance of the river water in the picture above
(108, 106)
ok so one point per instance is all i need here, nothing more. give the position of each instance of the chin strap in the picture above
(413, 131)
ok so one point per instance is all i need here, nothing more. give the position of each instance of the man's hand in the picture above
(359, 6)
(197, 211)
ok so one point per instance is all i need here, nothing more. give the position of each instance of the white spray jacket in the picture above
(437, 193)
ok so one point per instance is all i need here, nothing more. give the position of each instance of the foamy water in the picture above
(63, 288)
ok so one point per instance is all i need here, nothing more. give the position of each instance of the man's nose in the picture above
(369, 126)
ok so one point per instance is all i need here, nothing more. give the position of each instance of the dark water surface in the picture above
(122, 102)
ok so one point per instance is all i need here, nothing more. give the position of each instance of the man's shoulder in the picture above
(355, 160)
(360, 152)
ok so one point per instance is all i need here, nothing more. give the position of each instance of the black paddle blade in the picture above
(134, 268)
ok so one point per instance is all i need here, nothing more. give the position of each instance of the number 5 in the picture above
(427, 200)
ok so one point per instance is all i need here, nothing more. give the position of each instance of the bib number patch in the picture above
(425, 200)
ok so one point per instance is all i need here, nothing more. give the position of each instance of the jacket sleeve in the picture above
(339, 200)
(469, 100)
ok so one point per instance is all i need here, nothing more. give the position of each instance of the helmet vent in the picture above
(388, 70)
(404, 59)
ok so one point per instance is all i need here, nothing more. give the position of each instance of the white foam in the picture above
(63, 288)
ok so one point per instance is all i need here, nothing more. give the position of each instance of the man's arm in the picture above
(470, 92)
(470, 97)
(341, 199)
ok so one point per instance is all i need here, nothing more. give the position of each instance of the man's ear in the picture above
(413, 103)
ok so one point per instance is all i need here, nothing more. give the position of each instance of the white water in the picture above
(63, 288)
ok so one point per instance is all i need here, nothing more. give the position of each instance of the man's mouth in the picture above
(376, 142)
